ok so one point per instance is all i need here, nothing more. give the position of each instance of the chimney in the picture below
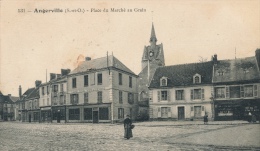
(65, 72)
(215, 59)
(38, 83)
(52, 76)
(257, 56)
(58, 75)
(9, 95)
(20, 91)
(87, 58)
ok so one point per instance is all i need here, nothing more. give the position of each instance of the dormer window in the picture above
(196, 78)
(163, 81)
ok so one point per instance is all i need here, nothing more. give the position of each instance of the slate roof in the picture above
(242, 69)
(57, 80)
(182, 75)
(26, 94)
(14, 98)
(101, 63)
(5, 99)
(34, 94)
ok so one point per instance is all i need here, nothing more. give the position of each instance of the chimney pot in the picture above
(38, 83)
(20, 91)
(65, 72)
(52, 76)
(88, 58)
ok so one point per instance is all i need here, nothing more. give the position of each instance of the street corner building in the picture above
(101, 90)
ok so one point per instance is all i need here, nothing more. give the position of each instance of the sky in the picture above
(190, 31)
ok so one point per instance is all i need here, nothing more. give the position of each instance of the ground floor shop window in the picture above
(35, 116)
(103, 113)
(88, 114)
(45, 115)
(58, 112)
(74, 114)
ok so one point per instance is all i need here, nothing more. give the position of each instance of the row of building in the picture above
(105, 90)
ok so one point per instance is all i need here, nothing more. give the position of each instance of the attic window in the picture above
(196, 78)
(163, 81)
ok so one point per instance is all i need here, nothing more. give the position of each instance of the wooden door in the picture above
(181, 115)
(164, 112)
(197, 111)
(95, 116)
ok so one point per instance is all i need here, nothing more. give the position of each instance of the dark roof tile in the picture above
(182, 75)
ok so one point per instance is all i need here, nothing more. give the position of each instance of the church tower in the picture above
(153, 53)
(153, 57)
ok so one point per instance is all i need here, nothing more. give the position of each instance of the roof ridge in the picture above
(186, 64)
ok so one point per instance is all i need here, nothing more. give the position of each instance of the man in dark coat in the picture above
(205, 119)
(127, 127)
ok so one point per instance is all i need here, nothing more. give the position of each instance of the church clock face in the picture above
(151, 53)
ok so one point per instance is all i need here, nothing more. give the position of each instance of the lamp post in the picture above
(212, 107)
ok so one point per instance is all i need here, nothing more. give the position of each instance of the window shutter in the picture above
(202, 94)
(169, 112)
(159, 95)
(202, 110)
(242, 91)
(176, 95)
(159, 111)
(65, 99)
(227, 92)
(168, 95)
(191, 94)
(191, 108)
(255, 91)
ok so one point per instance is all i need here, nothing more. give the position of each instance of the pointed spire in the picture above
(153, 36)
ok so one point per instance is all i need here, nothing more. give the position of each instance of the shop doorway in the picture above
(181, 115)
(95, 116)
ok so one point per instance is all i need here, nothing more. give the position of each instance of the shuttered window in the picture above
(202, 93)
(159, 96)
(191, 94)
(241, 91)
(227, 92)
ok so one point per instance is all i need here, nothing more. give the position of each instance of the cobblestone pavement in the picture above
(147, 136)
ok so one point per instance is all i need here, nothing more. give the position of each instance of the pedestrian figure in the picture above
(205, 119)
(253, 118)
(127, 127)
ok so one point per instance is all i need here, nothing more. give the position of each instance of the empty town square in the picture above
(153, 135)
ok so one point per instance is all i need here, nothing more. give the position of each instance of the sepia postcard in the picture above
(130, 75)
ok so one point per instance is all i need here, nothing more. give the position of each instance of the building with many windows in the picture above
(53, 96)
(181, 92)
(101, 90)
(236, 87)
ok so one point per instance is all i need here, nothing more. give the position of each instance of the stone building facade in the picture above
(101, 90)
